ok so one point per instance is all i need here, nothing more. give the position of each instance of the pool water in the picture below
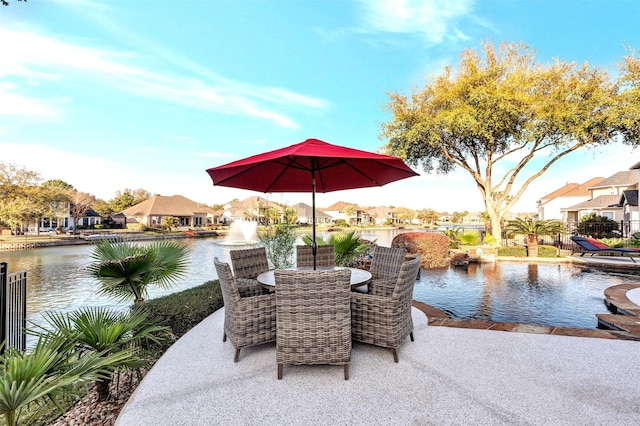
(526, 293)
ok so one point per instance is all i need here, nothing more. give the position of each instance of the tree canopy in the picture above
(501, 110)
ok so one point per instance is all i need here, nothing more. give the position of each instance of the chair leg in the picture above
(346, 371)
(237, 357)
(395, 354)
(411, 336)
(224, 337)
(280, 371)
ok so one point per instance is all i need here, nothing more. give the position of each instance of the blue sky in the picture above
(108, 95)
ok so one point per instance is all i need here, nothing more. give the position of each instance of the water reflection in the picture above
(553, 294)
(57, 279)
(548, 294)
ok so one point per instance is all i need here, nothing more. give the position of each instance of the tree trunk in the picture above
(496, 227)
(532, 245)
(102, 387)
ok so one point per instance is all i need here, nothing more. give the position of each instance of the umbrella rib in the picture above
(239, 172)
(292, 163)
(346, 163)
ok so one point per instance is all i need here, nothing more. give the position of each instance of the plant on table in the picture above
(347, 245)
(279, 241)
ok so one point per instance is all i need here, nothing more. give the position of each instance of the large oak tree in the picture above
(506, 119)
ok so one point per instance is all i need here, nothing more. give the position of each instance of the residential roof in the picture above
(340, 205)
(574, 189)
(381, 212)
(257, 201)
(304, 210)
(624, 178)
(631, 195)
(599, 202)
(169, 205)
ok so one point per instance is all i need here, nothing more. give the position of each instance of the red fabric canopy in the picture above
(292, 168)
(311, 166)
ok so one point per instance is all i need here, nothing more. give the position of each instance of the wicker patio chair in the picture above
(313, 318)
(247, 265)
(248, 321)
(385, 266)
(386, 320)
(325, 255)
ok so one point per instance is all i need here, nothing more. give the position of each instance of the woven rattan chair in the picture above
(385, 266)
(248, 321)
(313, 318)
(247, 265)
(325, 255)
(386, 320)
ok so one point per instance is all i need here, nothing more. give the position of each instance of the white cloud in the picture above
(17, 105)
(40, 58)
(434, 20)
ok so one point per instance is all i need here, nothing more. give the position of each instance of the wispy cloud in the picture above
(31, 57)
(14, 104)
(435, 20)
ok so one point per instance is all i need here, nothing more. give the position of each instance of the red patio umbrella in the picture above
(312, 165)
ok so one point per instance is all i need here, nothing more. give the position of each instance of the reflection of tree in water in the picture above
(493, 285)
(532, 273)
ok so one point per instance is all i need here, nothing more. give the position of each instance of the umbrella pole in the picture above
(314, 246)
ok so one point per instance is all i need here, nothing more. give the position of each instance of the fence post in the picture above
(3, 306)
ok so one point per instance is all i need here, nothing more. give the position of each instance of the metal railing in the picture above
(624, 229)
(13, 309)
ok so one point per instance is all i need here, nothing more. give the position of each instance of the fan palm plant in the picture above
(347, 245)
(126, 270)
(532, 230)
(107, 332)
(53, 365)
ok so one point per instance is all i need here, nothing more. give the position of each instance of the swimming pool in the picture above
(528, 293)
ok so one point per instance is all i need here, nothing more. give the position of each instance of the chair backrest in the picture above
(249, 263)
(230, 294)
(584, 243)
(386, 261)
(403, 290)
(325, 255)
(313, 311)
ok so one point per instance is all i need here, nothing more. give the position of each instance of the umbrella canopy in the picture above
(311, 166)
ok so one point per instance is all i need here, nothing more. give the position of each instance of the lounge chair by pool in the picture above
(593, 246)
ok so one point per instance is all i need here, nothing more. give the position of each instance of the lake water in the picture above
(552, 294)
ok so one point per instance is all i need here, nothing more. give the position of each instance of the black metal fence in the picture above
(624, 229)
(13, 309)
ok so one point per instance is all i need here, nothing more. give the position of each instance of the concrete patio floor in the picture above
(448, 376)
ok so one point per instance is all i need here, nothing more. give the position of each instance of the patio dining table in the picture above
(358, 276)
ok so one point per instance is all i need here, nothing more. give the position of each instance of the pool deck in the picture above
(456, 372)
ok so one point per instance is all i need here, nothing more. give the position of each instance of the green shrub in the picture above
(521, 251)
(183, 310)
(598, 226)
(469, 238)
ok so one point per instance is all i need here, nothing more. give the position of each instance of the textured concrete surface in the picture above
(448, 376)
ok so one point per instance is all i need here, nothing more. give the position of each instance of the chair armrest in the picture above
(382, 287)
(248, 287)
